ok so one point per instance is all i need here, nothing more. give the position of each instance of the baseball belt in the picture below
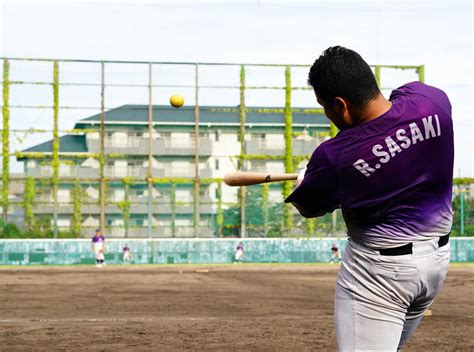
(408, 248)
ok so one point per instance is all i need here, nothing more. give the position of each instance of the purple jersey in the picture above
(391, 176)
(126, 249)
(98, 239)
(240, 248)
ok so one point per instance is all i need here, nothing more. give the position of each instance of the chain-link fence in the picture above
(88, 144)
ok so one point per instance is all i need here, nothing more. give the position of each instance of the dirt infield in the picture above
(229, 308)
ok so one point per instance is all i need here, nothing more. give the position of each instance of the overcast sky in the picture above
(437, 34)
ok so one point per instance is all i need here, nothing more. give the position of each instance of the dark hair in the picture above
(341, 72)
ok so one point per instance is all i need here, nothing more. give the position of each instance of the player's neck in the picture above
(376, 108)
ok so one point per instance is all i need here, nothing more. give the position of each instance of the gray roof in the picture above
(207, 115)
(67, 144)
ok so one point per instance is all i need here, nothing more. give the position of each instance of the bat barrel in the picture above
(254, 178)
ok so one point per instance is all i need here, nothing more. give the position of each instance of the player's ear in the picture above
(341, 107)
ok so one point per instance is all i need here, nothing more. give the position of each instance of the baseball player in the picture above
(239, 253)
(335, 255)
(390, 170)
(127, 254)
(98, 247)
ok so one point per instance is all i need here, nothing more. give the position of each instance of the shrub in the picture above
(11, 231)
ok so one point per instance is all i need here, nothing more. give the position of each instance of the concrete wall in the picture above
(167, 251)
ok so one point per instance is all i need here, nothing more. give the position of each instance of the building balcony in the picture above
(139, 172)
(259, 146)
(131, 171)
(300, 147)
(168, 171)
(65, 171)
(305, 147)
(166, 146)
(45, 206)
(188, 172)
(160, 147)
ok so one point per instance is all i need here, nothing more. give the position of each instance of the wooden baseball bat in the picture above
(254, 178)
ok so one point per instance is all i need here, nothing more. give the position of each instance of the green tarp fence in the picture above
(180, 251)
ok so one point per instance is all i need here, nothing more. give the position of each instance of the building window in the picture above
(133, 168)
(183, 222)
(120, 169)
(63, 196)
(64, 222)
(180, 139)
(180, 168)
(134, 139)
(65, 170)
(275, 196)
(140, 222)
(119, 195)
(183, 195)
(273, 141)
(274, 167)
(92, 192)
(46, 170)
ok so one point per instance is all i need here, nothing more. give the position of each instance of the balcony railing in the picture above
(45, 171)
(160, 146)
(45, 206)
(140, 172)
(300, 147)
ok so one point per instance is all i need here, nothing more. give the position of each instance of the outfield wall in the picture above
(170, 251)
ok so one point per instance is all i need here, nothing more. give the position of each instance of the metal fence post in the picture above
(220, 215)
(289, 167)
(377, 75)
(421, 73)
(103, 194)
(150, 154)
(461, 206)
(6, 139)
(55, 147)
(197, 182)
(242, 114)
(173, 208)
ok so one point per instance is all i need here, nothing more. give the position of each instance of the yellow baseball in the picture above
(177, 100)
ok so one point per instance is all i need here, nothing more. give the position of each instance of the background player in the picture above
(98, 247)
(239, 253)
(390, 170)
(335, 255)
(127, 254)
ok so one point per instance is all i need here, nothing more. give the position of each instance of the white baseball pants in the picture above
(380, 300)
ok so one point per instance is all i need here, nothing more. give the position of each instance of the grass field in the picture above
(255, 307)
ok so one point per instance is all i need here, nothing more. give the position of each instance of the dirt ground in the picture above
(169, 308)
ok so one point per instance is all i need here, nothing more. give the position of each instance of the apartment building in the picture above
(173, 157)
